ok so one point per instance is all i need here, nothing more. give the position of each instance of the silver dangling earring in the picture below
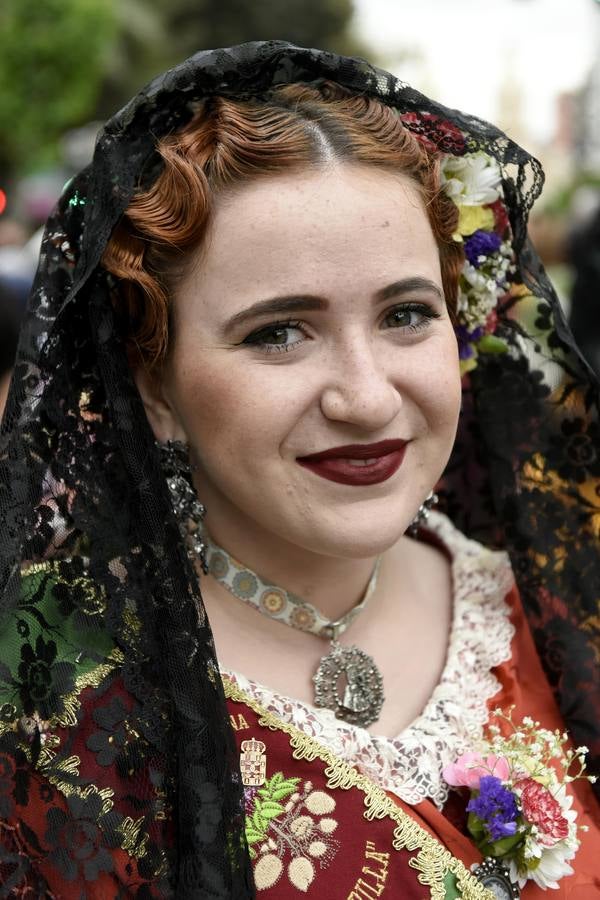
(189, 512)
(422, 513)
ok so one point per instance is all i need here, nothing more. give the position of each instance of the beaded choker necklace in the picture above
(347, 681)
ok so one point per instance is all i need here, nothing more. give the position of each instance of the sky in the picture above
(461, 50)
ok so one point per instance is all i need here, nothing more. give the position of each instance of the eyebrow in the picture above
(294, 303)
(288, 304)
(409, 286)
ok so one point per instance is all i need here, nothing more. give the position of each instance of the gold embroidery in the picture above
(286, 820)
(253, 763)
(93, 593)
(68, 766)
(9, 718)
(94, 678)
(433, 861)
(238, 723)
(36, 568)
(131, 843)
(373, 884)
(362, 890)
(371, 853)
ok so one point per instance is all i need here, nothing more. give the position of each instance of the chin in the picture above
(355, 536)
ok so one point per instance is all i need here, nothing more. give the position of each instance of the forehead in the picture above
(324, 231)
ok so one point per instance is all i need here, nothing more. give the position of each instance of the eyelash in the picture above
(256, 337)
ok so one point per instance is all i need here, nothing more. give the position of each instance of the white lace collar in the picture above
(411, 764)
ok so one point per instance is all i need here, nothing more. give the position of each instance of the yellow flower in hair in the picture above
(472, 218)
(467, 365)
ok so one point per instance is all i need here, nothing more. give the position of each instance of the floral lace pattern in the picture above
(410, 765)
(524, 474)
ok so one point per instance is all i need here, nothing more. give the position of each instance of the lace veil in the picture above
(99, 599)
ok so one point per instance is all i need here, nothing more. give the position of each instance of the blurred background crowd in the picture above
(530, 66)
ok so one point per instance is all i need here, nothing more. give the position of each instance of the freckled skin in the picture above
(341, 234)
(249, 415)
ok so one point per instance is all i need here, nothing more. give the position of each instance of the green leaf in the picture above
(489, 343)
(476, 828)
(451, 891)
(499, 848)
(270, 810)
(281, 793)
(277, 788)
(503, 847)
(253, 836)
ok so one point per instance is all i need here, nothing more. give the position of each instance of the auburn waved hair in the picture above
(229, 142)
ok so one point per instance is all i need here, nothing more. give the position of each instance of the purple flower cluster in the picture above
(249, 795)
(481, 243)
(497, 808)
(466, 339)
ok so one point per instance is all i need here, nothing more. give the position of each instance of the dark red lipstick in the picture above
(357, 464)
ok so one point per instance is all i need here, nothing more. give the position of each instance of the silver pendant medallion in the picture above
(493, 874)
(349, 683)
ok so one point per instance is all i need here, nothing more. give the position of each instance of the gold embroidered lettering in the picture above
(238, 723)
(378, 876)
(373, 885)
(364, 891)
(382, 858)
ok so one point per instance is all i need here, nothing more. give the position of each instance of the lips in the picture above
(357, 464)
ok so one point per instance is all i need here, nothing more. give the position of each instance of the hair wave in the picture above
(231, 142)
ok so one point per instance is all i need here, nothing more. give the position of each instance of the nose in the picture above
(360, 389)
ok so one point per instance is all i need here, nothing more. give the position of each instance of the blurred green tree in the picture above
(52, 60)
(154, 36)
(64, 62)
(215, 23)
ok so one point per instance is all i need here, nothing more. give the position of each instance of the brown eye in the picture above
(276, 337)
(401, 317)
(411, 316)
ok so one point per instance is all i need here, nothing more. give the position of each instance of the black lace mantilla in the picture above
(101, 635)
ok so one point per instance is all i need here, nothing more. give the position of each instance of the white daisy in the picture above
(471, 180)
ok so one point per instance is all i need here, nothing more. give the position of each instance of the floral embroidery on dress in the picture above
(410, 765)
(289, 831)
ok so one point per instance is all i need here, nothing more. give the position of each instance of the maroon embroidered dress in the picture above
(320, 822)
(491, 662)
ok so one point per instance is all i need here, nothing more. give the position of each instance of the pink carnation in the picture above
(471, 767)
(491, 323)
(501, 220)
(542, 809)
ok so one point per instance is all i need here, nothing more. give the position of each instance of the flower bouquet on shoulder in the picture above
(519, 811)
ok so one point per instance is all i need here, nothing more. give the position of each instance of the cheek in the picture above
(226, 408)
(436, 387)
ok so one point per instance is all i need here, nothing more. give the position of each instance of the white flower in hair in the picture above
(471, 180)
(481, 288)
(478, 296)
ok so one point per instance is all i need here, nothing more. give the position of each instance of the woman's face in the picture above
(313, 318)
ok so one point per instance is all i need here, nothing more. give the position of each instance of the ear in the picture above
(161, 415)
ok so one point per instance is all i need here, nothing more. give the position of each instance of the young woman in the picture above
(289, 271)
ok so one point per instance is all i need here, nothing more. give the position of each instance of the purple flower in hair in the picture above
(466, 339)
(497, 808)
(481, 243)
